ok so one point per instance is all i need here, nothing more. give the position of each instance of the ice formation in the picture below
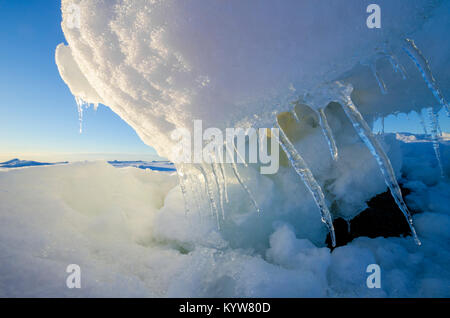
(434, 125)
(182, 179)
(424, 68)
(380, 81)
(377, 151)
(328, 134)
(244, 186)
(210, 192)
(307, 177)
(160, 65)
(151, 72)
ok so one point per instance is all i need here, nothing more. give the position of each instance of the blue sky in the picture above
(39, 118)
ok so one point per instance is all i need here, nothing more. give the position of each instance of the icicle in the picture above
(239, 155)
(225, 181)
(194, 186)
(182, 179)
(348, 225)
(377, 151)
(203, 193)
(380, 81)
(382, 125)
(80, 104)
(294, 113)
(241, 182)
(210, 192)
(301, 168)
(328, 133)
(424, 68)
(219, 188)
(194, 192)
(422, 122)
(398, 68)
(244, 186)
(435, 138)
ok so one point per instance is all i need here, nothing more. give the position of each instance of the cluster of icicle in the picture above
(341, 93)
(81, 106)
(214, 176)
(424, 68)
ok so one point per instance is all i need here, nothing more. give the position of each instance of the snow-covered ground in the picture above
(127, 230)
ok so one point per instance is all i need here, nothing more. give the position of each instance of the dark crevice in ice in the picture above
(382, 218)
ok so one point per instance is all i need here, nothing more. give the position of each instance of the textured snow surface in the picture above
(128, 231)
(162, 64)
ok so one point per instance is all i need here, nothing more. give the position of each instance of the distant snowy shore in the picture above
(152, 165)
(17, 163)
(407, 137)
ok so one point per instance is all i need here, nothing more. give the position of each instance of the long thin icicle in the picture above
(294, 113)
(182, 178)
(80, 104)
(363, 130)
(241, 182)
(380, 81)
(203, 193)
(210, 192)
(398, 68)
(422, 122)
(225, 180)
(435, 138)
(424, 68)
(308, 179)
(219, 185)
(193, 184)
(328, 133)
(239, 155)
(197, 189)
(244, 186)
